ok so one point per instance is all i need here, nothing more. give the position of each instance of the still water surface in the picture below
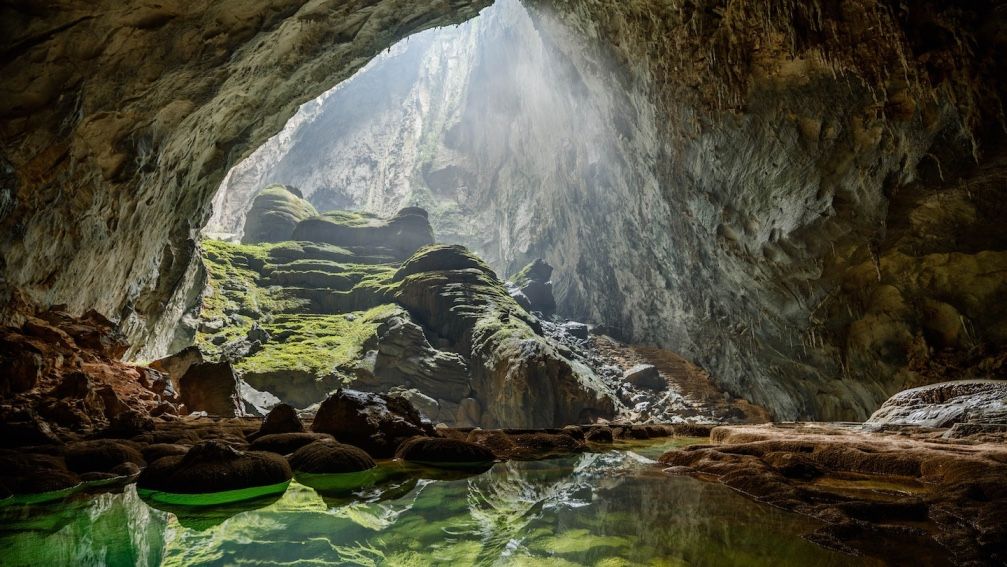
(598, 509)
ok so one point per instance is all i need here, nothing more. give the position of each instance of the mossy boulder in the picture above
(330, 457)
(445, 453)
(214, 466)
(275, 213)
(398, 236)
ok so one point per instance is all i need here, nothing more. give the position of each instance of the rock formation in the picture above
(275, 213)
(369, 302)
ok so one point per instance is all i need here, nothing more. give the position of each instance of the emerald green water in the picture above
(602, 509)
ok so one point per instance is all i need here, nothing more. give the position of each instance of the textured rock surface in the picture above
(945, 404)
(736, 173)
(214, 466)
(948, 494)
(137, 111)
(375, 423)
(274, 215)
(720, 182)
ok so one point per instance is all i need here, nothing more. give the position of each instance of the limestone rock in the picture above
(445, 453)
(177, 364)
(213, 466)
(945, 404)
(399, 236)
(326, 457)
(281, 419)
(534, 282)
(275, 213)
(373, 422)
(211, 387)
(645, 376)
(286, 443)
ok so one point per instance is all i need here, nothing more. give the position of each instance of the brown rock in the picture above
(445, 453)
(213, 466)
(373, 422)
(328, 457)
(210, 387)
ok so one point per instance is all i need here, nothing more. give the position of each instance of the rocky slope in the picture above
(353, 299)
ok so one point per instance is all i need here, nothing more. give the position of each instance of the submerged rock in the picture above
(945, 404)
(214, 466)
(328, 457)
(447, 453)
(373, 422)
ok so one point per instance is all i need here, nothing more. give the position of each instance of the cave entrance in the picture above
(492, 126)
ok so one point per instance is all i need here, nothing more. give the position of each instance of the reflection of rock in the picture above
(214, 466)
(945, 404)
(373, 422)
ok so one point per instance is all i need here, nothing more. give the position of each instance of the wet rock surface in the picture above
(979, 402)
(327, 457)
(214, 466)
(448, 453)
(948, 497)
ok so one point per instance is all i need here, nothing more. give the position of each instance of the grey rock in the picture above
(645, 376)
(944, 405)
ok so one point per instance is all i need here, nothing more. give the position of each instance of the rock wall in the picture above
(120, 120)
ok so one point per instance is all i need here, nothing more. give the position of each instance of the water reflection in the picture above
(606, 509)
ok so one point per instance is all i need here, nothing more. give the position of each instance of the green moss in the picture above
(350, 218)
(317, 344)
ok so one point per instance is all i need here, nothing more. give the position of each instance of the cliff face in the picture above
(784, 192)
(712, 179)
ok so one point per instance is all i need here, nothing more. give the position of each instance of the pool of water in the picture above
(598, 509)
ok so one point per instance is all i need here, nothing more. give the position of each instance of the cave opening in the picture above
(503, 282)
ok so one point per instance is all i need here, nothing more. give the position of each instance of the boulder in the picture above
(281, 419)
(533, 282)
(373, 422)
(128, 423)
(645, 376)
(32, 473)
(274, 214)
(176, 365)
(945, 404)
(101, 455)
(445, 453)
(211, 387)
(286, 443)
(328, 457)
(577, 330)
(214, 466)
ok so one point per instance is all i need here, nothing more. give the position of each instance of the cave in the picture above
(509, 282)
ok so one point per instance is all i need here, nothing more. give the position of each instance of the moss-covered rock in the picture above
(397, 237)
(275, 213)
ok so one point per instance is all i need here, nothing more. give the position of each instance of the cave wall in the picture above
(711, 177)
(735, 207)
(118, 121)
